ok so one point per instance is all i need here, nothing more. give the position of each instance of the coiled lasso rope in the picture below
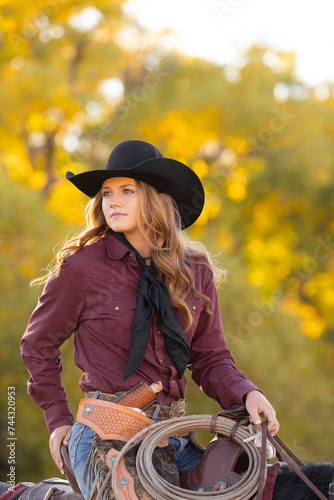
(160, 489)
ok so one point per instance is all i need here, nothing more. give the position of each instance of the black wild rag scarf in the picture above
(154, 291)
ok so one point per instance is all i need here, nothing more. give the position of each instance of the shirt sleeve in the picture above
(212, 364)
(53, 321)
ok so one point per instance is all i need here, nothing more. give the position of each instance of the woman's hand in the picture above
(59, 436)
(257, 405)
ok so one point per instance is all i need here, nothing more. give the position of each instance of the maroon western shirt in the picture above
(94, 298)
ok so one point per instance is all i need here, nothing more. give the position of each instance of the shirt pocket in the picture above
(117, 318)
(196, 306)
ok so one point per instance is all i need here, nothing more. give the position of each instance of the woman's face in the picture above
(120, 205)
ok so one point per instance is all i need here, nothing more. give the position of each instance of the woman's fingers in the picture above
(59, 436)
(257, 405)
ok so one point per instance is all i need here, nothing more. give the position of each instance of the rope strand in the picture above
(161, 489)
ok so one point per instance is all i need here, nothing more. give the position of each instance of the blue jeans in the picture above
(79, 448)
(186, 454)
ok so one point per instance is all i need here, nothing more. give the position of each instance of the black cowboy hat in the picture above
(141, 161)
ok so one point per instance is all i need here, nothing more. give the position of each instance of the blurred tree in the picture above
(77, 78)
(28, 234)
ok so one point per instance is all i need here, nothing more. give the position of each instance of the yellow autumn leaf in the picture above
(18, 166)
(8, 25)
(36, 121)
(226, 241)
(203, 218)
(257, 276)
(328, 297)
(236, 190)
(67, 203)
(200, 167)
(314, 327)
(255, 246)
(239, 145)
(38, 179)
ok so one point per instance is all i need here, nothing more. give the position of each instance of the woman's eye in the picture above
(107, 194)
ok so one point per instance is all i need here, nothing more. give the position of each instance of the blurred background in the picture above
(242, 91)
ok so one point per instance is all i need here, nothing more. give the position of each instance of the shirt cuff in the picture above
(240, 390)
(58, 415)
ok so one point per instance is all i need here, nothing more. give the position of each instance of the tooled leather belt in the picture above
(113, 416)
(141, 396)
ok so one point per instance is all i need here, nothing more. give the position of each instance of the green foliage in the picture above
(28, 235)
(267, 167)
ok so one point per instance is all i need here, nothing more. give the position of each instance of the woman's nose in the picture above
(114, 200)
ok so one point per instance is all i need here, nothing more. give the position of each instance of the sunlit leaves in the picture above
(260, 142)
(201, 168)
(311, 323)
(184, 132)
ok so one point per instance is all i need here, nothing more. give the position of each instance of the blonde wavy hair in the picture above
(172, 251)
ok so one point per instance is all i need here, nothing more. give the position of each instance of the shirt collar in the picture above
(115, 248)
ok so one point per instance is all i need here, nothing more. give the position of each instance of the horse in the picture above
(288, 486)
(223, 463)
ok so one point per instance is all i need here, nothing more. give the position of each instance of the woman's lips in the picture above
(117, 214)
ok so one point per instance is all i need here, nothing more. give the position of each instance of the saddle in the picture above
(44, 490)
(68, 470)
(115, 421)
(223, 463)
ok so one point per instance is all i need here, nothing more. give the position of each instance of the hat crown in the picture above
(128, 154)
(143, 162)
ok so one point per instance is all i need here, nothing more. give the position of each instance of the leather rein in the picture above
(285, 454)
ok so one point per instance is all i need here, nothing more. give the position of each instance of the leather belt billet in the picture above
(110, 420)
(121, 416)
(143, 402)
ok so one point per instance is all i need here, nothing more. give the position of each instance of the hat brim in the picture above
(164, 174)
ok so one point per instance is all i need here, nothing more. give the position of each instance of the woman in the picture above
(140, 300)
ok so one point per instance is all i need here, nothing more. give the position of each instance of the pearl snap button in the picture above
(116, 308)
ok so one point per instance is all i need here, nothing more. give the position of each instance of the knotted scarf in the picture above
(154, 292)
